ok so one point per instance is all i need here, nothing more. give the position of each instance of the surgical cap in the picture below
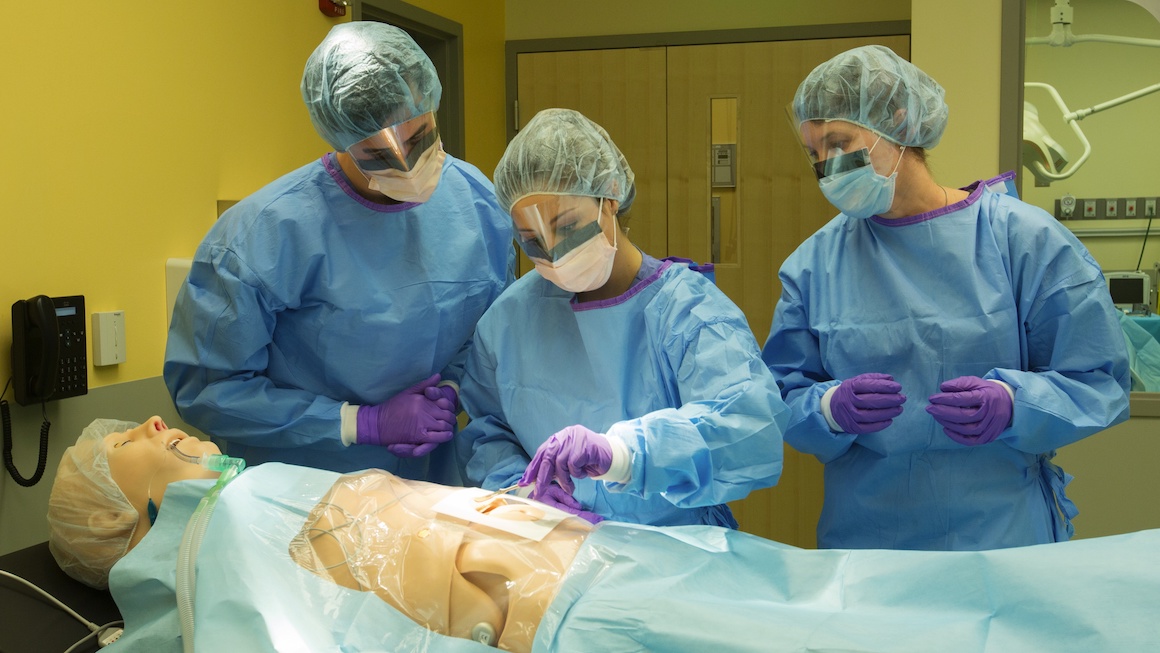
(90, 520)
(561, 152)
(873, 87)
(366, 76)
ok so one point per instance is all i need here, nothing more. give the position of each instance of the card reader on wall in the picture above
(1131, 291)
(108, 338)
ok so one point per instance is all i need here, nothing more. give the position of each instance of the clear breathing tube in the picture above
(195, 531)
(216, 462)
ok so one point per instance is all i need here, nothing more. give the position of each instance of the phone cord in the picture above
(40, 463)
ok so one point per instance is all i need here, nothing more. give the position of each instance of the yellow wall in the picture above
(122, 126)
(483, 63)
(1116, 486)
(537, 19)
(127, 123)
(965, 61)
(133, 122)
(1124, 139)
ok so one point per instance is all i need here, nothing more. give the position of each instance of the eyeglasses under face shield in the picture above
(397, 147)
(550, 229)
(833, 147)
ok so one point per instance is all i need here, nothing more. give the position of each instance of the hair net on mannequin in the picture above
(90, 521)
(366, 76)
(873, 87)
(561, 152)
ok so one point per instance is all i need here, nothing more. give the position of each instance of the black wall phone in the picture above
(49, 359)
(49, 362)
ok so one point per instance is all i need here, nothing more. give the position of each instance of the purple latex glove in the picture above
(972, 411)
(447, 393)
(444, 397)
(556, 497)
(867, 403)
(572, 452)
(409, 424)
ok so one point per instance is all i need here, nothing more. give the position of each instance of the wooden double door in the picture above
(720, 177)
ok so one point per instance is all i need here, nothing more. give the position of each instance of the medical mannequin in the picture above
(372, 562)
(457, 577)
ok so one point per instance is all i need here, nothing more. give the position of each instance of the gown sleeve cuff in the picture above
(349, 429)
(1009, 389)
(454, 386)
(825, 405)
(620, 471)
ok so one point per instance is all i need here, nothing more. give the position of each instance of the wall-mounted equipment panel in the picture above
(1070, 207)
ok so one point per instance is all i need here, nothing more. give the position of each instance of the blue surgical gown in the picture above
(989, 287)
(671, 367)
(305, 296)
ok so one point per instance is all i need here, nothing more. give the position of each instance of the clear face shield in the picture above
(833, 147)
(398, 147)
(552, 228)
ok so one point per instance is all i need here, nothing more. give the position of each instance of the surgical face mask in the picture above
(414, 185)
(861, 192)
(583, 268)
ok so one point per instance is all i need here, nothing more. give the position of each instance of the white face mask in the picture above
(415, 185)
(861, 193)
(583, 269)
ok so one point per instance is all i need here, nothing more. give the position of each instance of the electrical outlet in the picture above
(1150, 207)
(1111, 208)
(1089, 208)
(1130, 207)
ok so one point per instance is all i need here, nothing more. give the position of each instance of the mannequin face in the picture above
(139, 458)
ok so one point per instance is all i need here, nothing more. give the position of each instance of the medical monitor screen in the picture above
(1127, 290)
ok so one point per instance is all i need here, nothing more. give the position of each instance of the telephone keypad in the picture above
(73, 379)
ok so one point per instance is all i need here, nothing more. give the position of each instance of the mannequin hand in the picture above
(867, 403)
(573, 452)
(409, 424)
(972, 411)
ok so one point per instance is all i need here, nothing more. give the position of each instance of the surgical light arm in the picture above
(1062, 36)
(1044, 176)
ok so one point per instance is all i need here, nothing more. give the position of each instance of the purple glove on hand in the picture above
(411, 423)
(866, 403)
(446, 392)
(971, 410)
(556, 497)
(573, 452)
(445, 398)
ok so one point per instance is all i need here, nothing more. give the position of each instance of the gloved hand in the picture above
(867, 403)
(444, 397)
(556, 497)
(447, 393)
(411, 423)
(972, 411)
(573, 452)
